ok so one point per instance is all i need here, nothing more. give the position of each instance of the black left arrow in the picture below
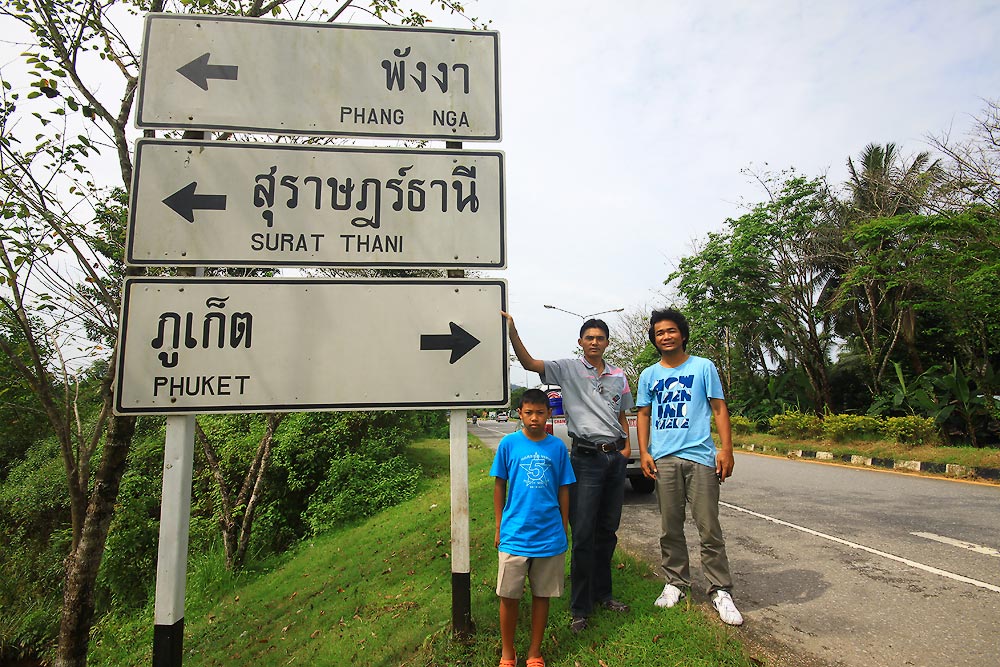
(198, 71)
(459, 341)
(185, 202)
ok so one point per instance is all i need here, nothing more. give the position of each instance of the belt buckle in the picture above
(607, 448)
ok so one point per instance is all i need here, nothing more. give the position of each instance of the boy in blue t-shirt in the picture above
(531, 509)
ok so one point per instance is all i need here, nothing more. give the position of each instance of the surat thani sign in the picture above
(290, 77)
(201, 345)
(224, 203)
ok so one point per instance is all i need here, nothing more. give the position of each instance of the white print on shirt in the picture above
(537, 467)
(673, 395)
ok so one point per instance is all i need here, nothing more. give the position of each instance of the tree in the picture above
(885, 186)
(756, 290)
(61, 283)
(630, 348)
(972, 177)
(237, 508)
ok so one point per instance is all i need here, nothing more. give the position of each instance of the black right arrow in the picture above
(198, 71)
(184, 202)
(459, 341)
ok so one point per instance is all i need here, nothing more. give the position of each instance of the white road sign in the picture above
(291, 77)
(222, 203)
(260, 345)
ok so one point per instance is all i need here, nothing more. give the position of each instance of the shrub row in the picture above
(911, 430)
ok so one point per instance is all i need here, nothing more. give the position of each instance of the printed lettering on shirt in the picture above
(537, 467)
(673, 395)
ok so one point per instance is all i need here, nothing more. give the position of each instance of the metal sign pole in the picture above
(461, 588)
(175, 521)
(171, 558)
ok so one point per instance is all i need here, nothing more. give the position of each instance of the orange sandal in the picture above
(508, 663)
(536, 662)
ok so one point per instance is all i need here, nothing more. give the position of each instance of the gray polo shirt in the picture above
(592, 403)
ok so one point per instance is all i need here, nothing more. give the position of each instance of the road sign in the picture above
(259, 345)
(291, 77)
(223, 203)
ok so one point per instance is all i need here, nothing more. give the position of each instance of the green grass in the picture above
(379, 593)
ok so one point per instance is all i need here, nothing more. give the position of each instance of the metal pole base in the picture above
(461, 606)
(168, 644)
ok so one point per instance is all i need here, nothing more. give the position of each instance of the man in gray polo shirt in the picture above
(595, 397)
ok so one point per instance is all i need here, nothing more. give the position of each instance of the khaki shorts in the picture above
(547, 575)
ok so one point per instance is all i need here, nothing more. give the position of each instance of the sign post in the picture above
(200, 345)
(172, 547)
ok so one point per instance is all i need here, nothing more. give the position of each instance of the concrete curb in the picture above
(944, 469)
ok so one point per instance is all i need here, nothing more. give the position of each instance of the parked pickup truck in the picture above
(640, 483)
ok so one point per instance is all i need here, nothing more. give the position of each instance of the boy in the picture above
(677, 398)
(531, 510)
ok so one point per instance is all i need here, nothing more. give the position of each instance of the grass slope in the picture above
(379, 593)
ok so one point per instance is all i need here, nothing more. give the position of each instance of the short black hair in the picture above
(595, 324)
(672, 315)
(533, 396)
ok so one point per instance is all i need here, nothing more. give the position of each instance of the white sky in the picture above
(626, 125)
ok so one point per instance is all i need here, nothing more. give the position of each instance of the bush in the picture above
(795, 424)
(911, 430)
(851, 427)
(741, 425)
(357, 486)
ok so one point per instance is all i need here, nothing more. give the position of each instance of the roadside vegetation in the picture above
(377, 591)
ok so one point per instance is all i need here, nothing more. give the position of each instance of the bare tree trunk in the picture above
(236, 533)
(83, 561)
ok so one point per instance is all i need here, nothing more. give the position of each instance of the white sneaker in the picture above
(669, 597)
(723, 603)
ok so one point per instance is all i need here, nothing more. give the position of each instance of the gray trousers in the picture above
(680, 482)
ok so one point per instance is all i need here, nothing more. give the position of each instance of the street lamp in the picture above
(582, 317)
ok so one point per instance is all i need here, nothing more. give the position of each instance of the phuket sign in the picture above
(200, 345)
(291, 77)
(223, 203)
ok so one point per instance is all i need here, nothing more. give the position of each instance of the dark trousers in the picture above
(595, 510)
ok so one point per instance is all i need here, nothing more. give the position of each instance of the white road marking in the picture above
(978, 548)
(861, 547)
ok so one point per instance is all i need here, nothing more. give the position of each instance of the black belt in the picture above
(593, 447)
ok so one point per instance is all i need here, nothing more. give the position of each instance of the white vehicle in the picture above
(503, 416)
(640, 483)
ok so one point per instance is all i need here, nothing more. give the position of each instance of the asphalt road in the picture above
(846, 566)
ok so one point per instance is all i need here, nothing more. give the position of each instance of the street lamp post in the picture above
(582, 317)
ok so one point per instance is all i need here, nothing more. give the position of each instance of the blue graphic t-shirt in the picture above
(680, 411)
(531, 524)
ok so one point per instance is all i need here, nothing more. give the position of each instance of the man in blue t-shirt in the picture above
(531, 509)
(677, 398)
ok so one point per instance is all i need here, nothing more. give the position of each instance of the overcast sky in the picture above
(626, 125)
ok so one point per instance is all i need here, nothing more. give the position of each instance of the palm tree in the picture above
(882, 185)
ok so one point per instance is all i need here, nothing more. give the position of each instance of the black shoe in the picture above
(578, 624)
(616, 605)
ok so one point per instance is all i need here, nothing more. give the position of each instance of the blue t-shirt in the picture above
(531, 524)
(680, 421)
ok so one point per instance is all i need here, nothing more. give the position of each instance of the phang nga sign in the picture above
(291, 77)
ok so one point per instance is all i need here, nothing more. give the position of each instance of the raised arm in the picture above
(528, 362)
